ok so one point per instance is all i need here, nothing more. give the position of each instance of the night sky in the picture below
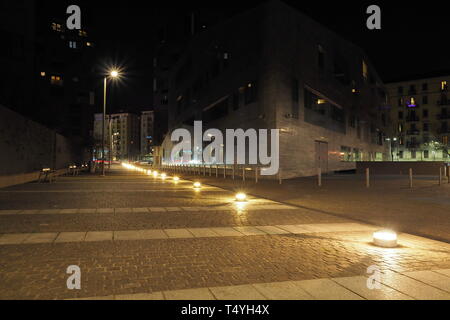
(412, 41)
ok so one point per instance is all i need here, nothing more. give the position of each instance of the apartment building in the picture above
(147, 133)
(420, 117)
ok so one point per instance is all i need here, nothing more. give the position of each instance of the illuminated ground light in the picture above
(176, 179)
(385, 239)
(149, 172)
(197, 185)
(155, 174)
(241, 197)
(163, 176)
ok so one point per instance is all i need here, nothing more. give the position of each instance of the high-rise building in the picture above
(147, 135)
(272, 67)
(121, 137)
(420, 118)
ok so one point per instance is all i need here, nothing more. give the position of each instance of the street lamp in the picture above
(113, 74)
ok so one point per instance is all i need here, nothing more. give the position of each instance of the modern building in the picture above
(46, 69)
(121, 137)
(420, 118)
(272, 67)
(147, 133)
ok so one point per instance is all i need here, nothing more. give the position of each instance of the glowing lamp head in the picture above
(197, 185)
(114, 74)
(385, 239)
(241, 197)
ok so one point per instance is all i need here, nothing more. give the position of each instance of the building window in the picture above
(72, 44)
(400, 154)
(320, 57)
(426, 154)
(82, 33)
(425, 99)
(425, 113)
(425, 87)
(365, 70)
(56, 27)
(444, 86)
(400, 102)
(426, 127)
(400, 115)
(412, 89)
(413, 154)
(43, 74)
(400, 90)
(56, 80)
(250, 93)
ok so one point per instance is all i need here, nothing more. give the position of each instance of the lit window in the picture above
(43, 74)
(365, 70)
(444, 85)
(82, 33)
(321, 101)
(56, 80)
(56, 27)
(412, 103)
(72, 44)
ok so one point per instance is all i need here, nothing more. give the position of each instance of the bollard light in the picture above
(155, 174)
(163, 176)
(149, 172)
(385, 238)
(197, 185)
(176, 179)
(241, 197)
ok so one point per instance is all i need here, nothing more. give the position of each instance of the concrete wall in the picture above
(27, 147)
(419, 168)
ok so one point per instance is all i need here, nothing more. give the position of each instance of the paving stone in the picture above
(244, 292)
(123, 210)
(99, 236)
(9, 212)
(359, 286)
(445, 272)
(296, 229)
(326, 289)
(40, 238)
(203, 233)
(282, 291)
(69, 211)
(50, 211)
(87, 211)
(140, 210)
(189, 294)
(29, 212)
(227, 232)
(127, 235)
(153, 234)
(15, 238)
(70, 237)
(105, 211)
(106, 298)
(272, 230)
(250, 231)
(413, 288)
(431, 278)
(173, 209)
(157, 209)
(141, 296)
(178, 233)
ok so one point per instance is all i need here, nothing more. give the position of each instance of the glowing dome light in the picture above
(241, 197)
(385, 239)
(197, 185)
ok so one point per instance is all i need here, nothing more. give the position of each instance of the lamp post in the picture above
(112, 74)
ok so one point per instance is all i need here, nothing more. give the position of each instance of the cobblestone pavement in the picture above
(423, 210)
(222, 266)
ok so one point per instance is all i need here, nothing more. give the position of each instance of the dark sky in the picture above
(412, 40)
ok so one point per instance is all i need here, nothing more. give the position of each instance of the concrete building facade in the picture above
(147, 133)
(420, 117)
(121, 137)
(275, 68)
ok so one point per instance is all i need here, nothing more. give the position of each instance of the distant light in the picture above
(241, 197)
(321, 101)
(197, 185)
(149, 172)
(163, 176)
(385, 239)
(155, 174)
(176, 179)
(43, 74)
(114, 74)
